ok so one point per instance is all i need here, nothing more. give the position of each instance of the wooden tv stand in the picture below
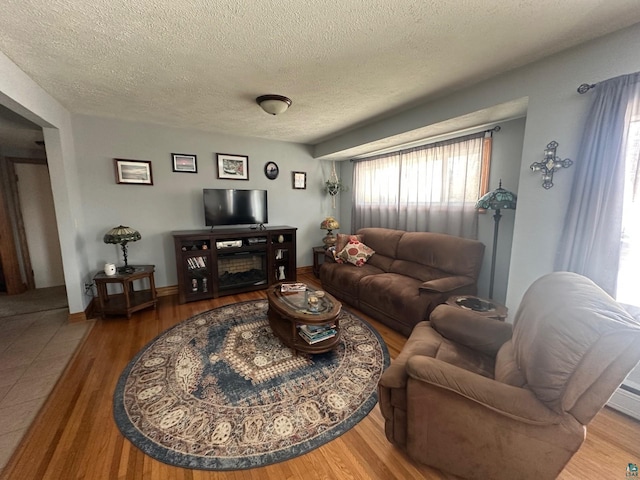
(225, 261)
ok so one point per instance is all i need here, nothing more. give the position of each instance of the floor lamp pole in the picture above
(496, 219)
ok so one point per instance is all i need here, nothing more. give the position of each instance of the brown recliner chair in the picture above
(473, 397)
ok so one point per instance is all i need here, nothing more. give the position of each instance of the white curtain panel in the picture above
(433, 188)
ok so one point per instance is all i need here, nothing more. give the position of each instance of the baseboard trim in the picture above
(626, 402)
(302, 270)
(167, 291)
(88, 314)
(77, 317)
(91, 311)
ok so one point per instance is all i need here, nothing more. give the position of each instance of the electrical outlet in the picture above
(88, 289)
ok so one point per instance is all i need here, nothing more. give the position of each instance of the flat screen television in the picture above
(234, 207)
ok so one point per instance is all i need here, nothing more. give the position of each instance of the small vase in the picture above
(109, 269)
(282, 275)
(280, 239)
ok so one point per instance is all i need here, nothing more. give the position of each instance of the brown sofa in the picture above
(469, 397)
(408, 276)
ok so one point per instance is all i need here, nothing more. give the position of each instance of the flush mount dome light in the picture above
(274, 104)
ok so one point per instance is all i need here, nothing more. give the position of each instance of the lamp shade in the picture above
(274, 104)
(121, 234)
(498, 199)
(329, 223)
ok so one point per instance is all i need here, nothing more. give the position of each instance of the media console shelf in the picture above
(226, 261)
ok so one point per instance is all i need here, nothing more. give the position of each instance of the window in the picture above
(428, 188)
(627, 292)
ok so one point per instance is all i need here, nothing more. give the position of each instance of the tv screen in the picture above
(234, 207)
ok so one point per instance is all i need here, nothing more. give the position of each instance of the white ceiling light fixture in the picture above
(274, 104)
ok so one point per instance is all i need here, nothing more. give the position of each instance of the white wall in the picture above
(505, 166)
(174, 201)
(36, 202)
(555, 112)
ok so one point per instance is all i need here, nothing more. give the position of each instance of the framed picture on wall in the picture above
(135, 172)
(233, 167)
(271, 170)
(184, 163)
(299, 180)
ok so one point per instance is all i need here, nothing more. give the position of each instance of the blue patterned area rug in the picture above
(220, 392)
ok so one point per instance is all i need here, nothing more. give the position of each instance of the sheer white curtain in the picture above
(596, 241)
(431, 188)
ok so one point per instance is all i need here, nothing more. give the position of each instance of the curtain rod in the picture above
(417, 144)
(585, 87)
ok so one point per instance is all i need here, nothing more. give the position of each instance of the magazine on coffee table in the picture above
(293, 287)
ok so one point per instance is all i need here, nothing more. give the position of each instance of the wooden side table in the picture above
(318, 253)
(130, 300)
(481, 306)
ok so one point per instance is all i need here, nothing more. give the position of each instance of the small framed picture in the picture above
(299, 180)
(184, 163)
(233, 167)
(271, 170)
(137, 172)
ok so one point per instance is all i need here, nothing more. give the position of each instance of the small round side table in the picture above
(481, 306)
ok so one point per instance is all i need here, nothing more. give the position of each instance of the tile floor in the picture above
(34, 350)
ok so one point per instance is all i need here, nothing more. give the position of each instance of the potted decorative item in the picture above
(333, 186)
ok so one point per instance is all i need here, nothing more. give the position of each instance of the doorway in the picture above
(30, 256)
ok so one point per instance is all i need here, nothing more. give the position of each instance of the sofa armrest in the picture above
(513, 402)
(480, 333)
(419, 343)
(447, 284)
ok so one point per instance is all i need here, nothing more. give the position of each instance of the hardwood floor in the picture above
(75, 437)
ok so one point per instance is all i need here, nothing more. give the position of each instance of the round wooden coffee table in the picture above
(288, 312)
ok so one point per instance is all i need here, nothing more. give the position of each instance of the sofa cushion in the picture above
(382, 240)
(445, 253)
(342, 280)
(355, 252)
(381, 262)
(395, 296)
(415, 270)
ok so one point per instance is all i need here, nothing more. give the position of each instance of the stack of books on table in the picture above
(316, 333)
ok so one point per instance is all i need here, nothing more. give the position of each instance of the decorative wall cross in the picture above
(551, 163)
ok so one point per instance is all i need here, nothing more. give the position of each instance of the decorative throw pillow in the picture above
(343, 238)
(355, 252)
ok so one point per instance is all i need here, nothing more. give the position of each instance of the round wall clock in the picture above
(271, 170)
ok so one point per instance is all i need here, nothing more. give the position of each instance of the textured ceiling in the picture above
(199, 64)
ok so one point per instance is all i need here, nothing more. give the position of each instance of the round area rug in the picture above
(220, 392)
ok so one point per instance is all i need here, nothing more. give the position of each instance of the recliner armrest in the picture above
(480, 333)
(447, 284)
(395, 376)
(514, 402)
